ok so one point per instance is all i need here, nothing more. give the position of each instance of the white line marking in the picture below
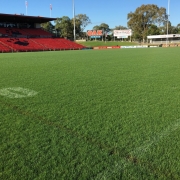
(123, 163)
(17, 92)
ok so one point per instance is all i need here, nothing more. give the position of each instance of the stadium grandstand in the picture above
(20, 33)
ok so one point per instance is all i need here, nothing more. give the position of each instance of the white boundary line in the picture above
(17, 92)
(123, 163)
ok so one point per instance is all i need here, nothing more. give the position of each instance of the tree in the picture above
(82, 21)
(79, 33)
(64, 26)
(143, 17)
(153, 30)
(104, 27)
(48, 26)
(120, 27)
(161, 16)
(171, 29)
(178, 28)
(96, 27)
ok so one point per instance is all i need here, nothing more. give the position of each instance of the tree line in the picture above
(64, 26)
(145, 20)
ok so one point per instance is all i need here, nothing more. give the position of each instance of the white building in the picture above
(162, 39)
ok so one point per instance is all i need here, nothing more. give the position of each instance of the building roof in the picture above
(12, 18)
(163, 36)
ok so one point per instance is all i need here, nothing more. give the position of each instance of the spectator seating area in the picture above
(15, 40)
(16, 32)
(37, 32)
(21, 44)
(4, 48)
(37, 44)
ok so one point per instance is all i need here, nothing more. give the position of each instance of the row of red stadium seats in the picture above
(24, 32)
(36, 44)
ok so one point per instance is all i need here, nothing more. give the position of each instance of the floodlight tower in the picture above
(74, 32)
(26, 4)
(167, 22)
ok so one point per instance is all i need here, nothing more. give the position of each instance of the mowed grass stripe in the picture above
(119, 98)
(134, 157)
(109, 149)
(127, 158)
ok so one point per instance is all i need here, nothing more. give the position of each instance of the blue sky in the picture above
(112, 12)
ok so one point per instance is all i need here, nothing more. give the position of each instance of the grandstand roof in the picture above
(163, 36)
(23, 18)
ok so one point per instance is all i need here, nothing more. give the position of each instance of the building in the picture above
(24, 33)
(163, 39)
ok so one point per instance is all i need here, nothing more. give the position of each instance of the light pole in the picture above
(26, 4)
(74, 32)
(167, 22)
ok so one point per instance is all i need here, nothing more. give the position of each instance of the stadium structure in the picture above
(170, 38)
(21, 33)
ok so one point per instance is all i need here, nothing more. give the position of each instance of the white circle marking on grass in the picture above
(17, 92)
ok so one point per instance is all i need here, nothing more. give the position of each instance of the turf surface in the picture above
(97, 115)
(106, 43)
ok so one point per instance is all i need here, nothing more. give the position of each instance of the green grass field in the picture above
(106, 43)
(90, 115)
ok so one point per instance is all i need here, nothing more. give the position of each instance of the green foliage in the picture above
(178, 28)
(109, 114)
(102, 26)
(143, 17)
(96, 27)
(48, 26)
(120, 27)
(153, 30)
(65, 25)
(171, 29)
(105, 28)
(82, 20)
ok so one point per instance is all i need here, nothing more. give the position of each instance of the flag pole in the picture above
(26, 3)
(74, 21)
(50, 9)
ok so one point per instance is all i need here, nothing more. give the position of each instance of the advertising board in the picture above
(122, 33)
(143, 46)
(94, 37)
(94, 33)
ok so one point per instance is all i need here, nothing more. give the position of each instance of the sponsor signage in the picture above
(144, 46)
(122, 33)
(95, 33)
(122, 37)
(116, 47)
(107, 47)
(153, 46)
(128, 47)
(95, 36)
